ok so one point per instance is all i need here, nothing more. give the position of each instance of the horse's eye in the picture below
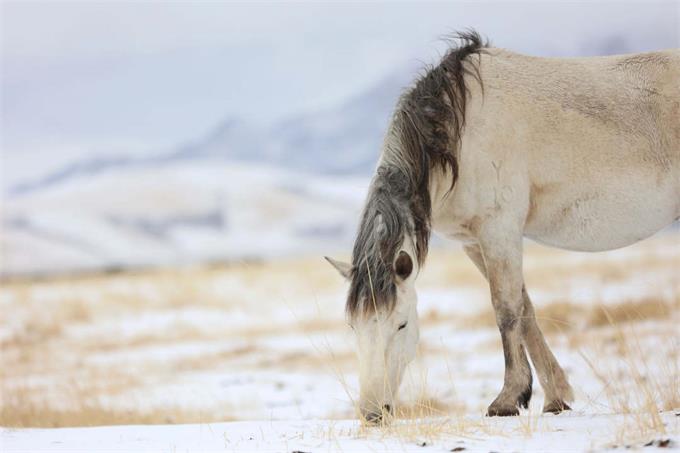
(402, 326)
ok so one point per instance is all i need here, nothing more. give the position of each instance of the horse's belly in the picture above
(604, 220)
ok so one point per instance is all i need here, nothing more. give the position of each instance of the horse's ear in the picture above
(403, 266)
(345, 269)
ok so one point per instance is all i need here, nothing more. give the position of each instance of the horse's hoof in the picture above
(502, 411)
(524, 398)
(555, 407)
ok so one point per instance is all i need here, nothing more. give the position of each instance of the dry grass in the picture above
(425, 407)
(638, 385)
(19, 409)
(633, 311)
(563, 317)
(60, 367)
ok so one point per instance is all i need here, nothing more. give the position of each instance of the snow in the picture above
(265, 349)
(176, 213)
(572, 432)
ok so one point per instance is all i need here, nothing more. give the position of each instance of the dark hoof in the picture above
(502, 411)
(555, 407)
(524, 398)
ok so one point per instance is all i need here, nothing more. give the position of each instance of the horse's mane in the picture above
(424, 134)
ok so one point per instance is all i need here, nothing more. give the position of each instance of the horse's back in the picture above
(598, 139)
(635, 96)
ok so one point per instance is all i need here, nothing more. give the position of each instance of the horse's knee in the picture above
(509, 318)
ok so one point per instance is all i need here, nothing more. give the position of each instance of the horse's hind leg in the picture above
(502, 260)
(551, 376)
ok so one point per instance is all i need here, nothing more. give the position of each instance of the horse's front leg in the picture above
(553, 379)
(502, 254)
(550, 374)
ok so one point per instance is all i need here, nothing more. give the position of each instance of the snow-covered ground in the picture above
(152, 270)
(570, 432)
(258, 356)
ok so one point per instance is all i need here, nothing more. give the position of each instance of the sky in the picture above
(81, 78)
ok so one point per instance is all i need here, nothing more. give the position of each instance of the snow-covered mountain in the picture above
(345, 140)
(341, 140)
(243, 190)
(176, 214)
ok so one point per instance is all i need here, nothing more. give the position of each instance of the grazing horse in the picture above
(491, 146)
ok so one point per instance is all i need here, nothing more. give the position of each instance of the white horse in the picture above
(489, 147)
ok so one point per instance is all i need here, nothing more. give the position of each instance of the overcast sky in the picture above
(108, 76)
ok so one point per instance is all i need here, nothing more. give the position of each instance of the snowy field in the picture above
(527, 433)
(257, 357)
(171, 174)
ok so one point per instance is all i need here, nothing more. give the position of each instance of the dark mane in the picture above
(424, 134)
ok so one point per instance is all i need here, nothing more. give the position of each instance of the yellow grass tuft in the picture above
(633, 386)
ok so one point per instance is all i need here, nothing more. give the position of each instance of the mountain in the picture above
(176, 214)
(344, 140)
(242, 191)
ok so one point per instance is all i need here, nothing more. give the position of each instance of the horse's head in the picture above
(386, 330)
(394, 231)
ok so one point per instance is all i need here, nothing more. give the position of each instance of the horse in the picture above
(489, 147)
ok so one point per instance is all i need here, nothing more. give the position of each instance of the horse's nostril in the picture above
(387, 408)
